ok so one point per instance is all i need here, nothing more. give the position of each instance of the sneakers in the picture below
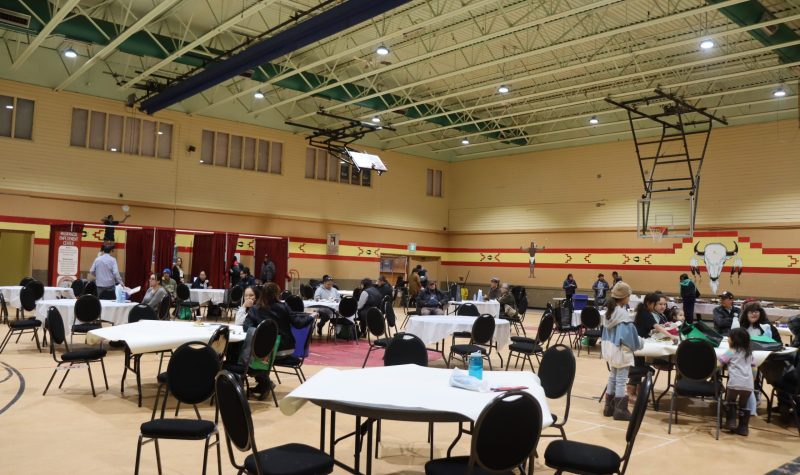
(608, 410)
(621, 412)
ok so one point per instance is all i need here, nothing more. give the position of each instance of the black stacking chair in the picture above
(108, 294)
(388, 313)
(531, 347)
(141, 312)
(774, 371)
(409, 313)
(659, 365)
(87, 315)
(557, 373)
(23, 325)
(590, 326)
(578, 457)
(302, 343)
(517, 320)
(295, 303)
(90, 288)
(306, 292)
(525, 339)
(468, 310)
(563, 323)
(503, 440)
(25, 281)
(347, 308)
(405, 348)
(190, 376)
(285, 295)
(376, 327)
(184, 299)
(77, 287)
(698, 376)
(481, 341)
(232, 301)
(264, 343)
(163, 308)
(55, 326)
(37, 288)
(287, 459)
(3, 310)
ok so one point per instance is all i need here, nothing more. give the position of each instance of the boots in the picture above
(744, 422)
(621, 412)
(731, 412)
(608, 410)
(633, 392)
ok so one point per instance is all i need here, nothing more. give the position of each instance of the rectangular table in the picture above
(490, 307)
(207, 295)
(11, 294)
(407, 392)
(114, 312)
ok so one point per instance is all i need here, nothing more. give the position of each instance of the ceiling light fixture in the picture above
(707, 44)
(780, 92)
(9, 106)
(464, 141)
(503, 89)
(258, 95)
(160, 133)
(594, 120)
(376, 119)
(382, 50)
(113, 149)
(70, 53)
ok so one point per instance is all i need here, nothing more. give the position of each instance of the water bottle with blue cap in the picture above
(476, 365)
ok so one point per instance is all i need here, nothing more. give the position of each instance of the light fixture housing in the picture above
(503, 89)
(707, 44)
(70, 53)
(258, 95)
(382, 50)
(464, 141)
(780, 92)
(113, 149)
(9, 106)
(376, 120)
(594, 120)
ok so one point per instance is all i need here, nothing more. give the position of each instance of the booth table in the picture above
(112, 311)
(491, 307)
(405, 393)
(153, 336)
(435, 328)
(202, 296)
(11, 294)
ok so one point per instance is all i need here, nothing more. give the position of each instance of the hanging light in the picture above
(70, 53)
(594, 120)
(376, 120)
(382, 50)
(780, 92)
(9, 106)
(707, 44)
(464, 141)
(258, 95)
(503, 89)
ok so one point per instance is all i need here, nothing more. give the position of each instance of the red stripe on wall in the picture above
(716, 233)
(297, 255)
(781, 250)
(748, 270)
(308, 240)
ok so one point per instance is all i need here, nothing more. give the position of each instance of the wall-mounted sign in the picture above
(333, 244)
(67, 257)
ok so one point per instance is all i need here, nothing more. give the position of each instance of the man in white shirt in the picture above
(105, 271)
(326, 291)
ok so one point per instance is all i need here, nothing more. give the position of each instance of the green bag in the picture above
(700, 331)
(259, 365)
(764, 343)
(186, 314)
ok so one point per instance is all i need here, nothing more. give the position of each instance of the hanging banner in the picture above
(66, 259)
(333, 244)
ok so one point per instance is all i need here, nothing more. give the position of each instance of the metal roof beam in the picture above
(44, 33)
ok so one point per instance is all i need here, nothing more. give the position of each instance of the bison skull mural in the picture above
(715, 255)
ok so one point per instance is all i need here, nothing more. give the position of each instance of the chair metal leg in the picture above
(205, 454)
(158, 456)
(138, 456)
(219, 455)
(105, 378)
(66, 373)
(51, 380)
(5, 340)
(369, 351)
(719, 421)
(155, 404)
(91, 379)
(671, 409)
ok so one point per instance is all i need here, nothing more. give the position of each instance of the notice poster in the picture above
(67, 257)
(332, 244)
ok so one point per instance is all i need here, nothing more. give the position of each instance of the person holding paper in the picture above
(105, 271)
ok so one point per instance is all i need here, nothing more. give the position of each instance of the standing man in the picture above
(689, 295)
(105, 270)
(600, 288)
(370, 298)
(616, 277)
(267, 270)
(569, 286)
(430, 300)
(725, 313)
(494, 289)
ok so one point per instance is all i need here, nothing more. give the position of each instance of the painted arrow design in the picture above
(483, 257)
(302, 247)
(569, 258)
(587, 258)
(647, 258)
(627, 258)
(794, 261)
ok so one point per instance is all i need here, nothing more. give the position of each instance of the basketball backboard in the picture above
(675, 213)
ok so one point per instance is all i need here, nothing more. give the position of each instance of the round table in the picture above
(321, 303)
(11, 294)
(207, 295)
(653, 349)
(490, 307)
(114, 312)
(434, 328)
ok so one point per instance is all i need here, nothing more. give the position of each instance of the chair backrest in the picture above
(637, 415)
(235, 295)
(376, 324)
(141, 312)
(306, 291)
(25, 281)
(590, 317)
(545, 327)
(468, 310)
(191, 372)
(88, 308)
(26, 299)
(557, 371)
(348, 306)
(163, 308)
(90, 288)
(302, 340)
(522, 305)
(219, 340)
(405, 348)
(264, 339)
(183, 292)
(357, 293)
(55, 326)
(483, 330)
(77, 287)
(235, 413)
(696, 359)
(285, 295)
(3, 307)
(295, 303)
(506, 432)
(37, 288)
(108, 294)
(388, 312)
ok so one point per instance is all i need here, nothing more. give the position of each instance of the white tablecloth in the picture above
(321, 303)
(206, 295)
(11, 294)
(774, 314)
(116, 313)
(654, 348)
(147, 336)
(409, 387)
(433, 328)
(491, 307)
(346, 293)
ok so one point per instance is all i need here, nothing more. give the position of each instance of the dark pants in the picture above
(688, 310)
(325, 314)
(740, 397)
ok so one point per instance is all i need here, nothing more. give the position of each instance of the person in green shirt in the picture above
(168, 283)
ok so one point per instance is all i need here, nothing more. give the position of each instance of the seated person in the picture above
(384, 287)
(754, 320)
(370, 297)
(648, 316)
(245, 279)
(201, 281)
(725, 313)
(326, 291)
(508, 304)
(168, 283)
(248, 300)
(675, 315)
(494, 289)
(155, 294)
(430, 300)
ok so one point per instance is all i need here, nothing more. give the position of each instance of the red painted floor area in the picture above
(347, 353)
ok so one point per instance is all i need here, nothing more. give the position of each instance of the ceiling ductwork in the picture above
(752, 12)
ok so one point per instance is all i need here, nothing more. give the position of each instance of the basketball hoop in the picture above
(657, 232)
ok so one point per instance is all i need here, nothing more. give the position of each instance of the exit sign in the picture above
(412, 246)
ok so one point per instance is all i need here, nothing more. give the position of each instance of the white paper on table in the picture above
(130, 291)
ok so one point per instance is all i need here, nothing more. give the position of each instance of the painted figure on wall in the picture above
(715, 255)
(532, 257)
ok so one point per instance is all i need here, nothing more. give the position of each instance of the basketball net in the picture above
(657, 232)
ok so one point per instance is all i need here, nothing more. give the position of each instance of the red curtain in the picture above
(201, 258)
(228, 243)
(208, 254)
(138, 260)
(165, 249)
(278, 251)
(52, 257)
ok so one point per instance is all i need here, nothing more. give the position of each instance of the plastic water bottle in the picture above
(120, 294)
(480, 295)
(476, 365)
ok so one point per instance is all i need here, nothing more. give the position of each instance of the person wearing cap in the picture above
(370, 298)
(508, 304)
(326, 291)
(105, 270)
(384, 287)
(430, 300)
(725, 313)
(168, 283)
(494, 289)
